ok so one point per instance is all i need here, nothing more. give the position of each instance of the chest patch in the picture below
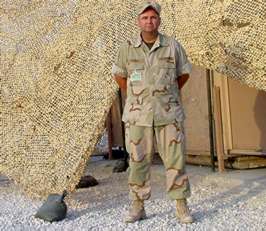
(135, 76)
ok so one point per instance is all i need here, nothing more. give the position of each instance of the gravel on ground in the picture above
(235, 200)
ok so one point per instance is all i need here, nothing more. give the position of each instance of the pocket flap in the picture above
(167, 65)
(135, 66)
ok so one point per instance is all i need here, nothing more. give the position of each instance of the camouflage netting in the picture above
(56, 87)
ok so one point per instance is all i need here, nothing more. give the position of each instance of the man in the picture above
(151, 69)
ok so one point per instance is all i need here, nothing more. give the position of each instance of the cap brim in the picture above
(147, 7)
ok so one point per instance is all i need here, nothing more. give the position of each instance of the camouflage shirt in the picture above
(152, 90)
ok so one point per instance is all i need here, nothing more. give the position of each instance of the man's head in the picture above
(149, 16)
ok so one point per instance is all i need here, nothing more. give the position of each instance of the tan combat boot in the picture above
(182, 211)
(136, 212)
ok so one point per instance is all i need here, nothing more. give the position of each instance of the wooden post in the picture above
(210, 115)
(109, 132)
(218, 129)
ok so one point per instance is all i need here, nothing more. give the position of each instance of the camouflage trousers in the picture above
(170, 145)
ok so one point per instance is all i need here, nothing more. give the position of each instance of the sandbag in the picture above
(53, 209)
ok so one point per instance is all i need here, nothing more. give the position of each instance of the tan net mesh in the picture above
(56, 59)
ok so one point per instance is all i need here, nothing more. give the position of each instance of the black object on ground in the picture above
(118, 153)
(53, 209)
(86, 182)
(120, 166)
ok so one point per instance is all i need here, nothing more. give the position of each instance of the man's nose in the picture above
(149, 20)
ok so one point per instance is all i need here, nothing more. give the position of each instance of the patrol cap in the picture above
(149, 4)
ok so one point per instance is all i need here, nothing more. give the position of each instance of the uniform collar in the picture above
(160, 41)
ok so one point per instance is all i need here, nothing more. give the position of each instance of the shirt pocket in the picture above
(167, 72)
(136, 84)
(136, 73)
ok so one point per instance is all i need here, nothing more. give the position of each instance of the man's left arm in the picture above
(181, 80)
(183, 66)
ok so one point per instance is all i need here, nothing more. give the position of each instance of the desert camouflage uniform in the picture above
(153, 108)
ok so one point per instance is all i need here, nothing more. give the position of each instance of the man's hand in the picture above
(181, 80)
(122, 82)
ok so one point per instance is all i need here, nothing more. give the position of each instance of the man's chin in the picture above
(150, 31)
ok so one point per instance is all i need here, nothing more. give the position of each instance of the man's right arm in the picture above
(122, 82)
(119, 69)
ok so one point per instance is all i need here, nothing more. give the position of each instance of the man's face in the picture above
(149, 21)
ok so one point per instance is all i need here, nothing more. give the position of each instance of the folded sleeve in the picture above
(183, 66)
(120, 64)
